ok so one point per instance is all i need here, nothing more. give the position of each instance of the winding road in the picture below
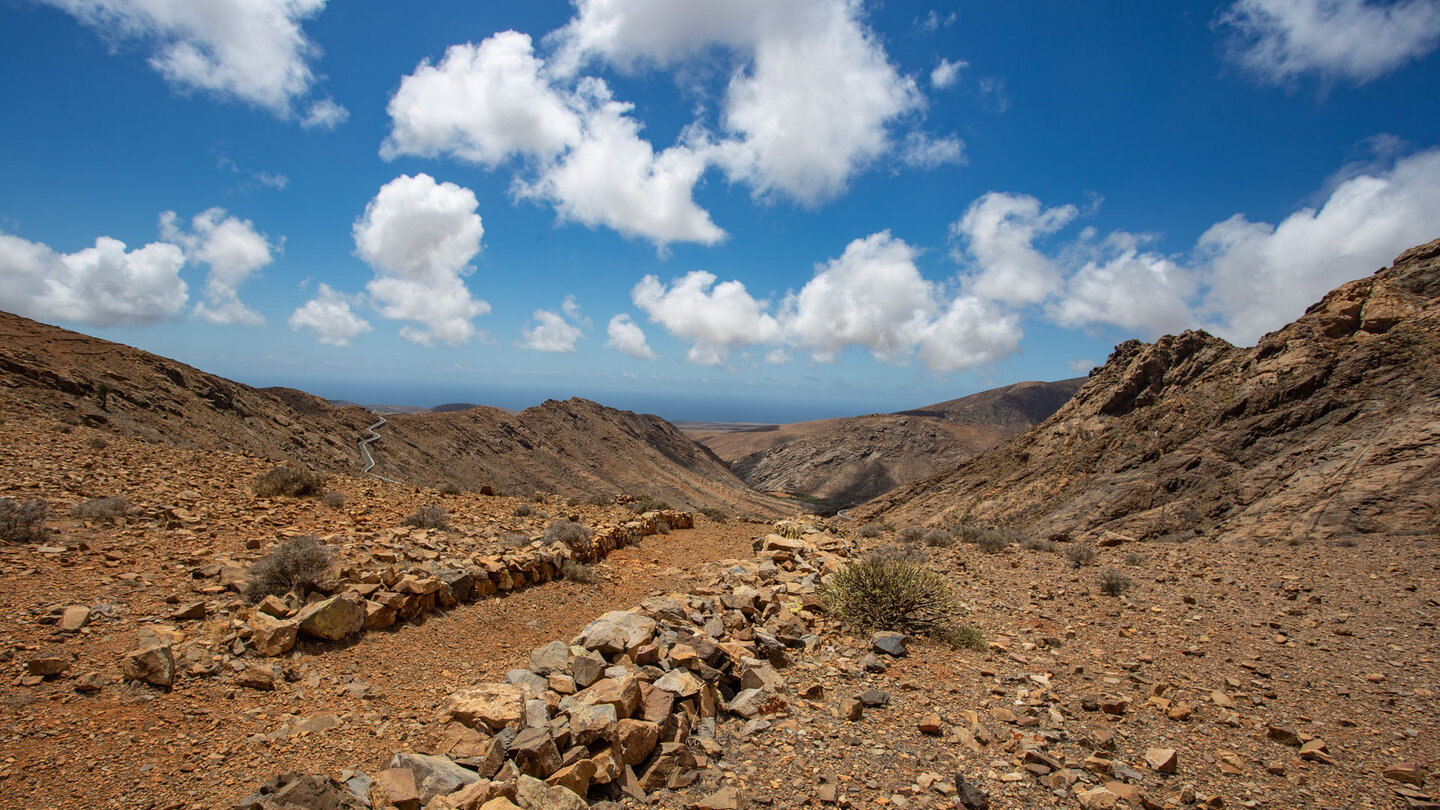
(365, 452)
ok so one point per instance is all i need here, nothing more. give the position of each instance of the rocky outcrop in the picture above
(1328, 427)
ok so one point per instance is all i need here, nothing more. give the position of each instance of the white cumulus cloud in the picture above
(554, 331)
(105, 285)
(810, 103)
(330, 317)
(627, 336)
(970, 332)
(233, 250)
(999, 231)
(419, 236)
(1358, 40)
(1122, 285)
(716, 318)
(251, 50)
(947, 73)
(1262, 276)
(924, 151)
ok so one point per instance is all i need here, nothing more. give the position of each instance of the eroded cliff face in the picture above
(1328, 427)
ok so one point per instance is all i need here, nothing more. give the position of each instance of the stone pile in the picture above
(375, 592)
(626, 708)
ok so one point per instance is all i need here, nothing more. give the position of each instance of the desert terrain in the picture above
(1262, 635)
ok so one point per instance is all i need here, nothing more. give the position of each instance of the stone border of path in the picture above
(625, 709)
(376, 600)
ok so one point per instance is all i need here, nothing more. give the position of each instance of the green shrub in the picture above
(1114, 583)
(538, 497)
(287, 480)
(101, 508)
(579, 572)
(22, 521)
(647, 504)
(299, 563)
(1079, 555)
(568, 533)
(429, 516)
(333, 499)
(875, 593)
(714, 514)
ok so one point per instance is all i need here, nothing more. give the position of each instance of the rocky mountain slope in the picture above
(845, 461)
(1329, 427)
(575, 448)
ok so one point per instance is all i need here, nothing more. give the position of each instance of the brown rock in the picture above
(930, 724)
(622, 693)
(49, 663)
(270, 636)
(534, 753)
(74, 618)
(257, 676)
(1162, 760)
(575, 777)
(1283, 734)
(333, 619)
(397, 785)
(725, 798)
(152, 664)
(1411, 773)
(635, 739)
(495, 705)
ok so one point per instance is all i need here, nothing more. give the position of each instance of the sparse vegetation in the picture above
(429, 516)
(101, 508)
(1037, 544)
(579, 572)
(97, 443)
(538, 497)
(597, 500)
(448, 488)
(515, 540)
(102, 395)
(939, 538)
(963, 637)
(906, 553)
(1131, 558)
(297, 564)
(1346, 543)
(869, 531)
(875, 593)
(1114, 583)
(523, 510)
(567, 532)
(647, 504)
(294, 482)
(1079, 555)
(910, 534)
(22, 521)
(333, 499)
(714, 514)
(990, 541)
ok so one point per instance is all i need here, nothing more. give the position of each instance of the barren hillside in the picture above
(1329, 427)
(573, 448)
(845, 461)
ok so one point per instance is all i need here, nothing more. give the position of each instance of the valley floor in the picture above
(1232, 655)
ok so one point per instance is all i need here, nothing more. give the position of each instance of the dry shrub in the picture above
(299, 563)
(1037, 544)
(990, 541)
(22, 521)
(448, 488)
(963, 637)
(1079, 556)
(429, 516)
(568, 533)
(333, 499)
(876, 593)
(647, 504)
(101, 508)
(515, 540)
(939, 538)
(1114, 583)
(286, 480)
(891, 551)
(714, 514)
(869, 531)
(579, 572)
(910, 534)
(97, 443)
(523, 510)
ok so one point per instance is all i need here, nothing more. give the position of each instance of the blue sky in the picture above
(750, 209)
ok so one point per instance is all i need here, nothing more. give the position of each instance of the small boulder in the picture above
(153, 664)
(892, 644)
(434, 776)
(616, 632)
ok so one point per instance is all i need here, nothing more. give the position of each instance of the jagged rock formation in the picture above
(573, 448)
(846, 461)
(1328, 427)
